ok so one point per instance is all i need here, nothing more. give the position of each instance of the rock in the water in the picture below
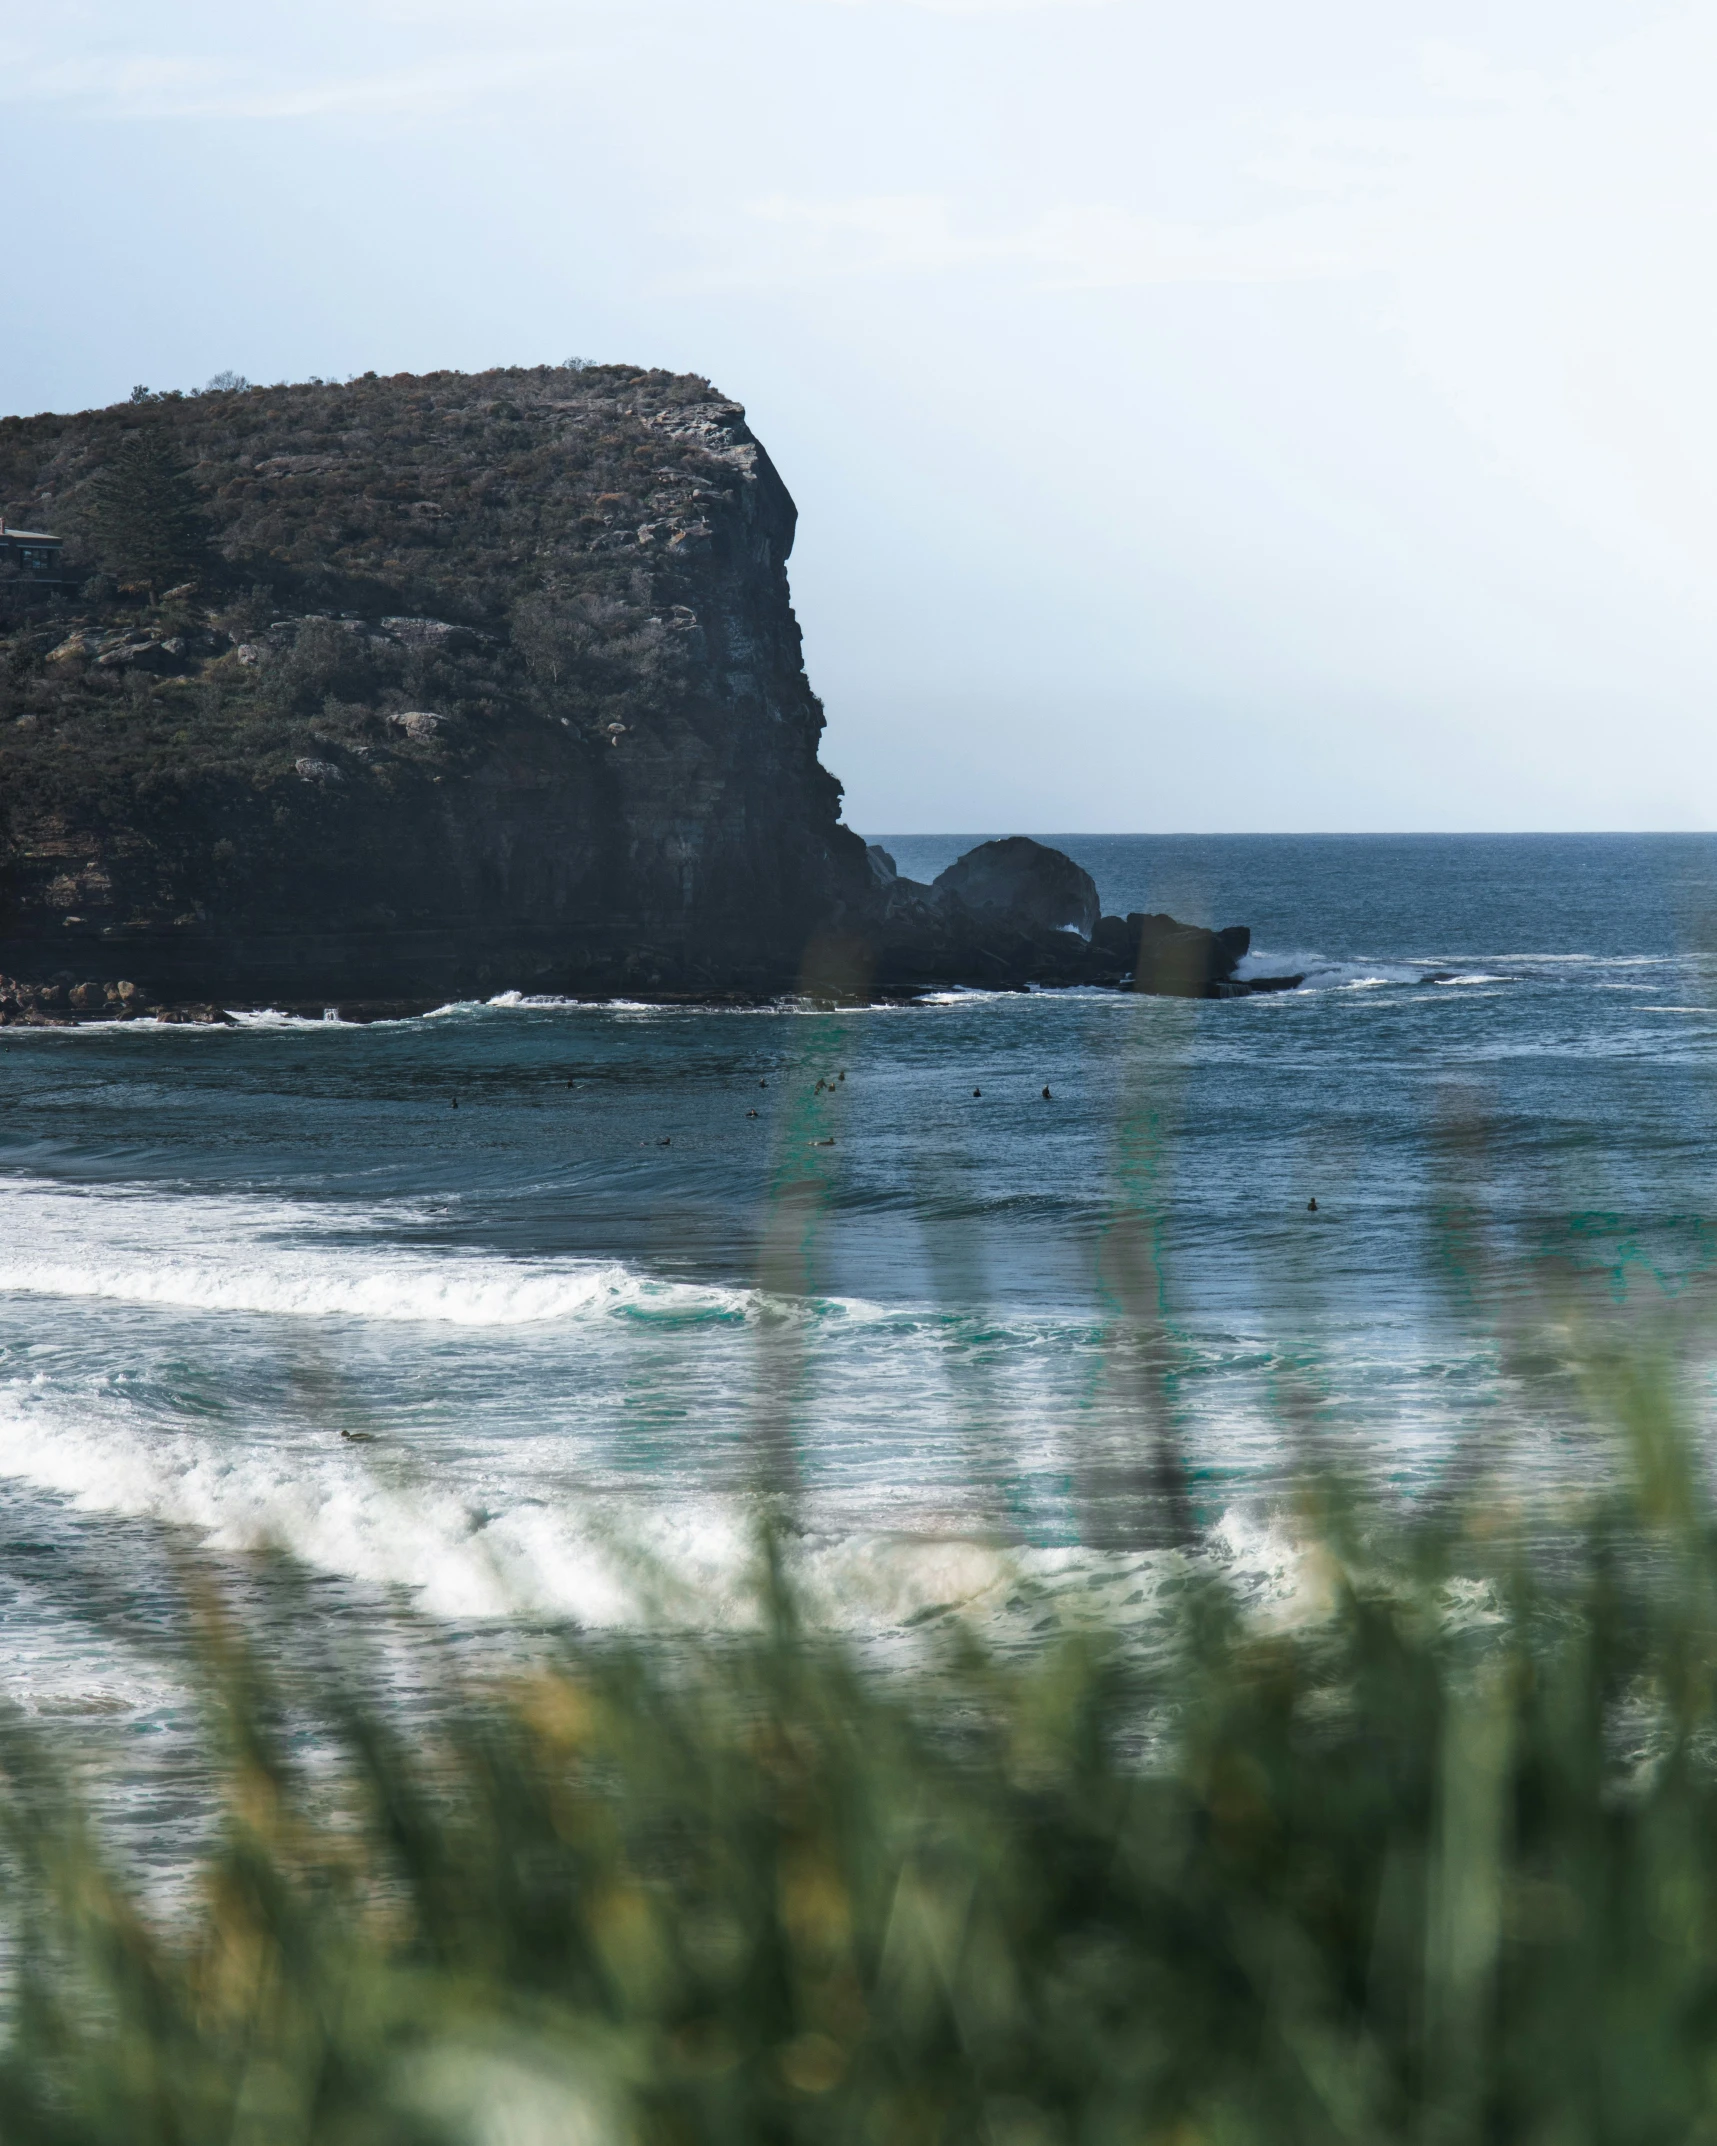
(1015, 913)
(1026, 883)
(1183, 960)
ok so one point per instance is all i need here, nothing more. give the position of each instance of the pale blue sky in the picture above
(1217, 416)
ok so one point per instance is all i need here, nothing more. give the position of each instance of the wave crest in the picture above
(230, 1255)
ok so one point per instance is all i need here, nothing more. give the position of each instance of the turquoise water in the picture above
(537, 1355)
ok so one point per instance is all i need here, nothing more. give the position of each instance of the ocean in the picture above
(514, 1314)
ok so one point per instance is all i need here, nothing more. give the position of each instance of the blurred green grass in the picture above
(1431, 1857)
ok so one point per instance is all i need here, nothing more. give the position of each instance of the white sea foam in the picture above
(510, 1527)
(533, 999)
(961, 995)
(254, 1018)
(1322, 973)
(335, 1509)
(233, 1255)
(509, 1539)
(139, 1024)
(265, 1017)
(507, 1528)
(1605, 961)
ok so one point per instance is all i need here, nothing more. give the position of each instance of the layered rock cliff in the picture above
(482, 681)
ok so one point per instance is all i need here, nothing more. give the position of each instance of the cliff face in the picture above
(482, 681)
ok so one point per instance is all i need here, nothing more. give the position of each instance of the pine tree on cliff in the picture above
(145, 515)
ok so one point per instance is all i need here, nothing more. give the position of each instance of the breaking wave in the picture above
(494, 1541)
(1324, 972)
(230, 1255)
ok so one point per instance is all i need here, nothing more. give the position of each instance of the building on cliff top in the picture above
(31, 553)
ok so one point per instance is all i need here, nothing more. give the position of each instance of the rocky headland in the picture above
(381, 693)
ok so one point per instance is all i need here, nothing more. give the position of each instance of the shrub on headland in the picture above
(145, 515)
(1433, 1858)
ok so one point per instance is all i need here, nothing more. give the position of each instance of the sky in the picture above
(1218, 417)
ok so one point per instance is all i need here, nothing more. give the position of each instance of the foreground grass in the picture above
(1435, 1861)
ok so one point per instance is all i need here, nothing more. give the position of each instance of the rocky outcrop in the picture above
(1026, 882)
(57, 1005)
(910, 936)
(481, 682)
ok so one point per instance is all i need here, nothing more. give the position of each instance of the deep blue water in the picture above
(597, 1306)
